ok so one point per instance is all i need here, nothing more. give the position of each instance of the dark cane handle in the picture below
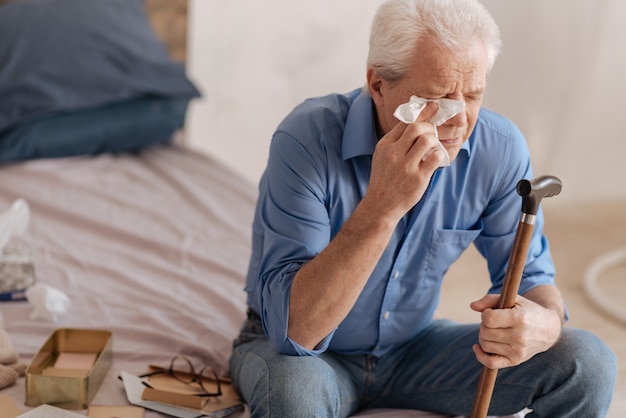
(532, 191)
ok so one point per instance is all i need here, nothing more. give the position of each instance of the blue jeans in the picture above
(435, 371)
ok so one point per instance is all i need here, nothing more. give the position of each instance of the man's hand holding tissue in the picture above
(400, 171)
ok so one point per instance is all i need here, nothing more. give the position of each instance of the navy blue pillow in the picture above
(118, 127)
(66, 55)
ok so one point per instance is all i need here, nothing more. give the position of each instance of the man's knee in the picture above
(280, 384)
(293, 375)
(590, 359)
(579, 377)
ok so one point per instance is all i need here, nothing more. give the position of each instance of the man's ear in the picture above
(376, 86)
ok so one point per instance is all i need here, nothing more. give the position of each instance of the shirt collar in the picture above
(466, 145)
(360, 136)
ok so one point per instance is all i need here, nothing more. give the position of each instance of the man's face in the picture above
(438, 73)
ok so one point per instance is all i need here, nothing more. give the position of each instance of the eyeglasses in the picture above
(182, 370)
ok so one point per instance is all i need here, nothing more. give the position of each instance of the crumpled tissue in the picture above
(48, 302)
(14, 221)
(447, 109)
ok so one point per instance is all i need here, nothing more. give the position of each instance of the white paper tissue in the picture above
(448, 108)
(48, 302)
(14, 221)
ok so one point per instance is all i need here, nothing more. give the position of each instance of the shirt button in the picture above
(386, 315)
(395, 275)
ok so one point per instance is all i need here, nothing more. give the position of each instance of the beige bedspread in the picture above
(153, 247)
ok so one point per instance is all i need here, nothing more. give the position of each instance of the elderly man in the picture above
(360, 215)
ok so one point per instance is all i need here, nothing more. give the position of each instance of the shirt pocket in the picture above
(446, 247)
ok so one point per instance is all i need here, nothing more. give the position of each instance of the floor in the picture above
(578, 238)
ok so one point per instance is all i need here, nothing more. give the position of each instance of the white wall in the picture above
(559, 78)
(255, 60)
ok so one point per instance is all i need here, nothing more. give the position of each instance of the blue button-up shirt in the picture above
(318, 171)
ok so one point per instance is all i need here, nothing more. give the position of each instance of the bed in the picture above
(151, 246)
(147, 238)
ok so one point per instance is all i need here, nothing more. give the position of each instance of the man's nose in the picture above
(457, 120)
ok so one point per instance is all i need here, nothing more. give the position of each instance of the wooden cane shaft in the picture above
(510, 288)
(515, 269)
(482, 400)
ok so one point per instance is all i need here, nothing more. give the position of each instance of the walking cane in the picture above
(532, 191)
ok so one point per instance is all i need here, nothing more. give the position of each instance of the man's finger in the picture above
(395, 133)
(488, 301)
(499, 318)
(492, 361)
(428, 112)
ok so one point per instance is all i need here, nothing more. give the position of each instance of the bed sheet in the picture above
(152, 246)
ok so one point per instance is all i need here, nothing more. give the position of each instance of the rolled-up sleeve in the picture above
(295, 228)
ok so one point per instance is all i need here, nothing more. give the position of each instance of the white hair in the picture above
(452, 24)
